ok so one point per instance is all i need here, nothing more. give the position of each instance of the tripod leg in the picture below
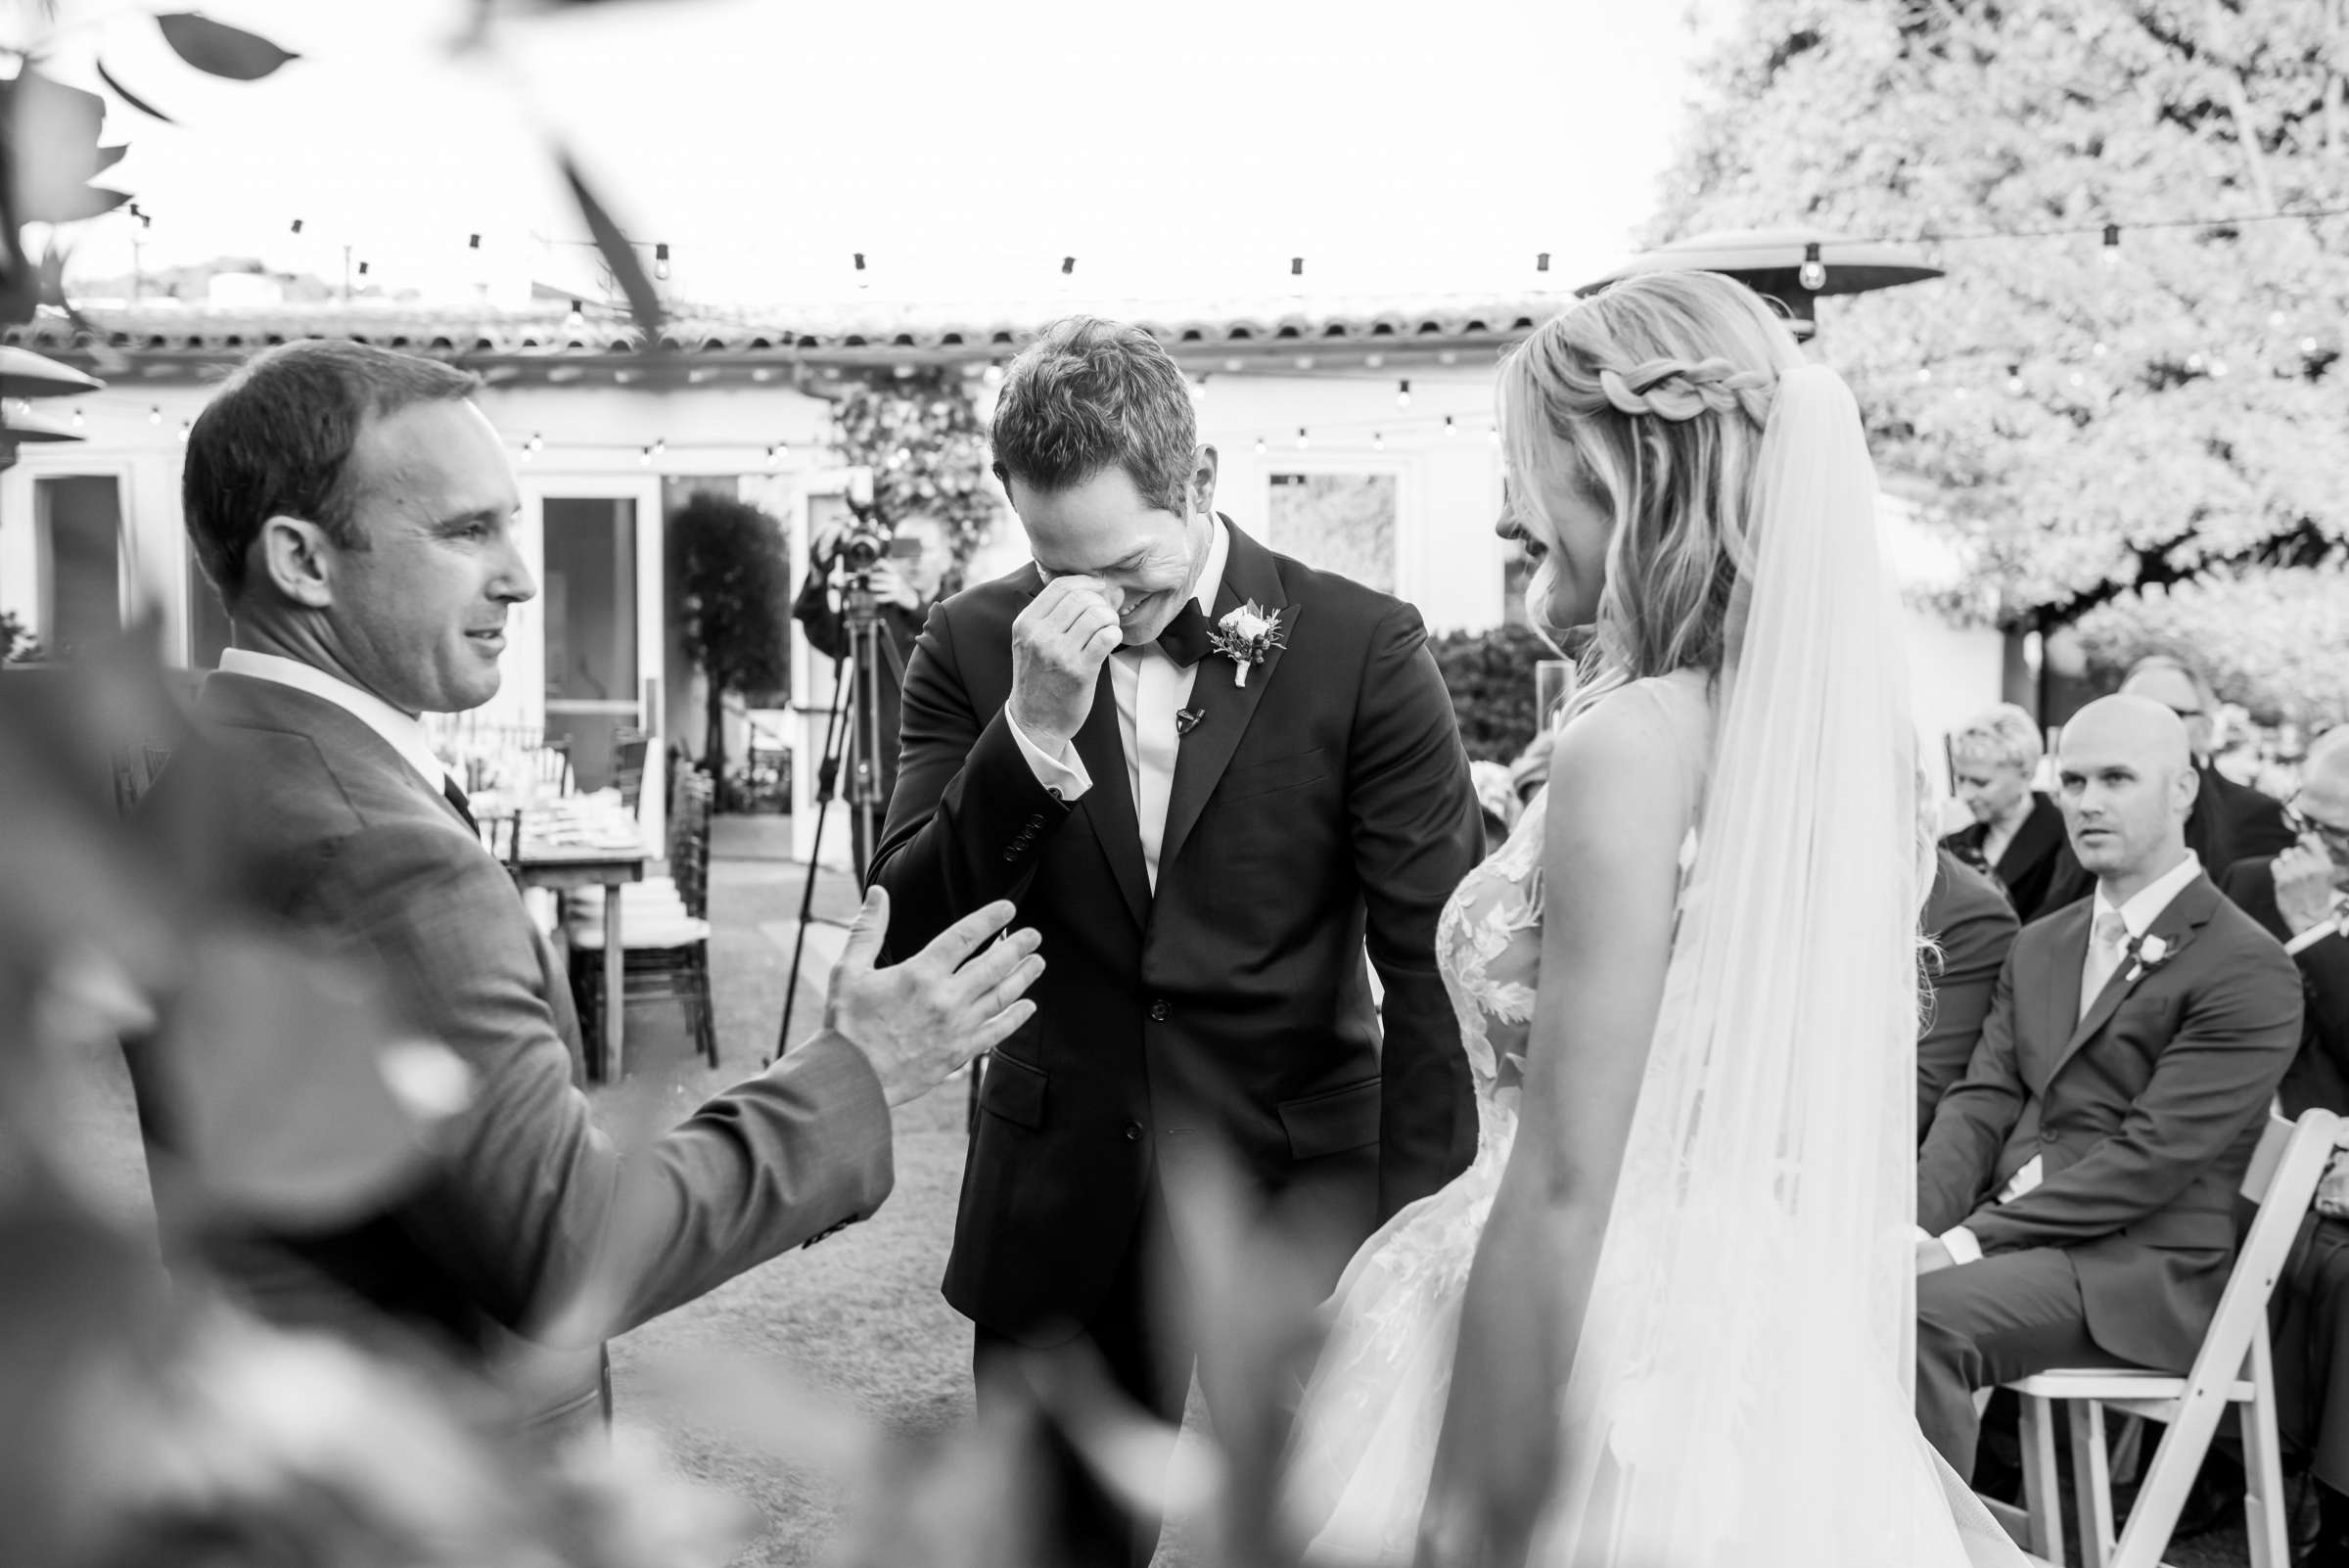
(826, 772)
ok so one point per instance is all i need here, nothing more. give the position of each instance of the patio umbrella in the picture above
(1770, 263)
(25, 374)
(20, 425)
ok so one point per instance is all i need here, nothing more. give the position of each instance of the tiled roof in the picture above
(856, 333)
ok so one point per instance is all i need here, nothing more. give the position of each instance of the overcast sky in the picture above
(963, 148)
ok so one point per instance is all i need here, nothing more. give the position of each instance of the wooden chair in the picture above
(2234, 1368)
(550, 766)
(629, 747)
(136, 768)
(664, 926)
(502, 833)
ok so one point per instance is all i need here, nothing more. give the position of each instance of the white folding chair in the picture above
(2232, 1368)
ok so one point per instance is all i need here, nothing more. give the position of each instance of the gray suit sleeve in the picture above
(555, 1231)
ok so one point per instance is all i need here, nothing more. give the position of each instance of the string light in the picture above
(1379, 443)
(661, 262)
(1260, 445)
(185, 426)
(1068, 267)
(297, 226)
(660, 448)
(1300, 438)
(770, 456)
(472, 242)
(78, 418)
(577, 321)
(155, 413)
(1402, 394)
(1813, 272)
(644, 457)
(1450, 428)
(1296, 266)
(862, 282)
(2014, 379)
(1541, 262)
(2113, 244)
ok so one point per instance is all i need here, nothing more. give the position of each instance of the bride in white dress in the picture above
(1678, 1275)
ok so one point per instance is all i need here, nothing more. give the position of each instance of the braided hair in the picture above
(1650, 399)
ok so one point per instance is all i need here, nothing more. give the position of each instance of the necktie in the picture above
(1185, 639)
(457, 797)
(2105, 946)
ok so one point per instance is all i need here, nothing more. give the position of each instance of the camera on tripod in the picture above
(868, 542)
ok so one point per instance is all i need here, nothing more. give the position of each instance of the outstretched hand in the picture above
(918, 1021)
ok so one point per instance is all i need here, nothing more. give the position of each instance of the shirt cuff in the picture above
(2311, 937)
(1067, 780)
(1963, 1248)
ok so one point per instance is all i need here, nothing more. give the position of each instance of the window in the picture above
(1341, 523)
(77, 541)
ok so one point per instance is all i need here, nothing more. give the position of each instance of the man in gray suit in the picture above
(2077, 1190)
(356, 512)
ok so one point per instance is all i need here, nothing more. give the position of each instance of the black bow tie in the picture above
(1187, 639)
(457, 797)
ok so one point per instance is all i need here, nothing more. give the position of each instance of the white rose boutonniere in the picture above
(1246, 635)
(2148, 953)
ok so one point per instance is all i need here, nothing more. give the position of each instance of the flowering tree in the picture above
(2088, 418)
(920, 435)
(2276, 642)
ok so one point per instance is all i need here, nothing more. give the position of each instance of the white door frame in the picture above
(526, 676)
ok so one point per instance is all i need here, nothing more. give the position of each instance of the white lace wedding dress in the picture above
(1739, 1394)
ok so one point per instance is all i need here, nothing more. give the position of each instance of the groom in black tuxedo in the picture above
(1209, 839)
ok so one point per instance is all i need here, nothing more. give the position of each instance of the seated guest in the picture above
(2300, 896)
(2076, 1194)
(2018, 832)
(2232, 822)
(1971, 926)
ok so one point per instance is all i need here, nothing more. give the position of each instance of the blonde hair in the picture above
(1649, 398)
(2002, 734)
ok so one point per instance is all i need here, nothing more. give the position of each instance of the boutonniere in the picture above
(2148, 953)
(1246, 635)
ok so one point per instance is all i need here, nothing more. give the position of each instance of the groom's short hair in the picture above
(1088, 393)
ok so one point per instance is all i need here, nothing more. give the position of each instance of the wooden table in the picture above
(561, 866)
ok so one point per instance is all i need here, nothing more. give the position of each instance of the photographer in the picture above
(906, 576)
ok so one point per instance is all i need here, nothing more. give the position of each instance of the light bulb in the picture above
(2101, 348)
(155, 413)
(770, 457)
(644, 457)
(2307, 345)
(660, 448)
(1300, 438)
(660, 263)
(1260, 445)
(1402, 394)
(1450, 428)
(1379, 443)
(577, 321)
(77, 419)
(2113, 244)
(2276, 318)
(1814, 273)
(992, 375)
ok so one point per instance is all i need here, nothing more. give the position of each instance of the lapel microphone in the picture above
(1187, 719)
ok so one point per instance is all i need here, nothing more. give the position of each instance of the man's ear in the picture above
(2189, 789)
(298, 559)
(1203, 478)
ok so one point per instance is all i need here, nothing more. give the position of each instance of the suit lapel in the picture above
(1249, 573)
(2186, 913)
(2055, 984)
(1109, 804)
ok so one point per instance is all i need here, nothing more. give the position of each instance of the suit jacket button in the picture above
(1159, 1011)
(1133, 1131)
(1012, 853)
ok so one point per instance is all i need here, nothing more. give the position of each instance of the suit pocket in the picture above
(1332, 1123)
(1280, 773)
(1014, 1091)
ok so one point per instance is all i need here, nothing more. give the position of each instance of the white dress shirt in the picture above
(405, 732)
(2336, 924)
(1150, 689)
(2137, 916)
